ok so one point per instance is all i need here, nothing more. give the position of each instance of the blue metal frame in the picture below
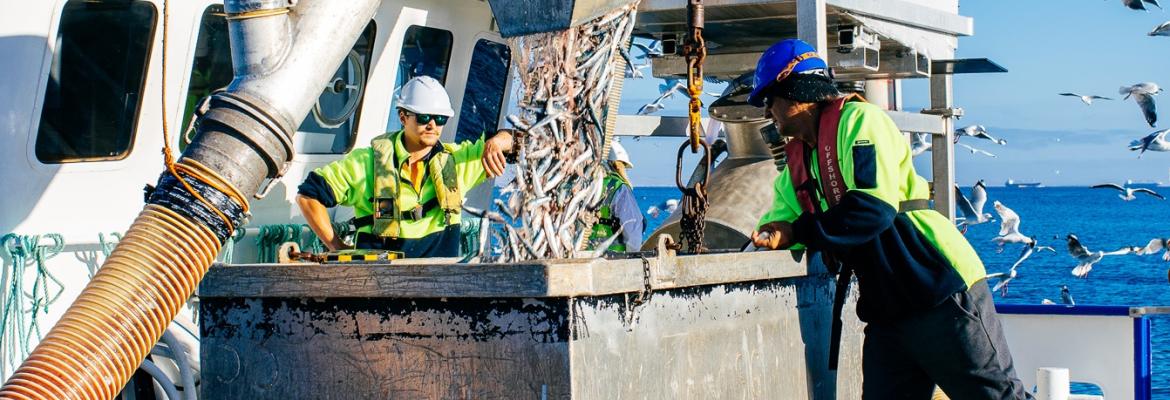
(1142, 359)
(1143, 385)
(1060, 309)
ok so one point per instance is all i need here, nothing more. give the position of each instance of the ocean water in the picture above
(1101, 221)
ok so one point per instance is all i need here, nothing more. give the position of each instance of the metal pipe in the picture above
(276, 83)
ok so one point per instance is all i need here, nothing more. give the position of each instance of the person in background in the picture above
(850, 192)
(407, 188)
(619, 208)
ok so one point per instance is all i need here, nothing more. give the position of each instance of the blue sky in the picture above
(1049, 47)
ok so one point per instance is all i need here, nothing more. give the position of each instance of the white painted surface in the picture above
(1095, 349)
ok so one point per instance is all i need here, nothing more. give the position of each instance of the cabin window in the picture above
(329, 128)
(425, 51)
(485, 91)
(95, 84)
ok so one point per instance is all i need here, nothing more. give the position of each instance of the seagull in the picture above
(972, 209)
(919, 143)
(1088, 100)
(1127, 193)
(1004, 279)
(977, 151)
(671, 85)
(669, 206)
(1066, 296)
(651, 51)
(1086, 258)
(1143, 93)
(1137, 4)
(1153, 142)
(1155, 246)
(978, 132)
(656, 105)
(1009, 229)
(1007, 277)
(634, 71)
(1161, 30)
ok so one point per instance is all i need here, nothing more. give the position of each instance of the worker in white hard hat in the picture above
(407, 187)
(620, 208)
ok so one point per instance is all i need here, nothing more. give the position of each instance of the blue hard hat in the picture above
(793, 55)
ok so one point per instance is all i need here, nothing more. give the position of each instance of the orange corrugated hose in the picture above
(111, 327)
(106, 333)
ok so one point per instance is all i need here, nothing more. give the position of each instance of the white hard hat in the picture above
(425, 95)
(618, 153)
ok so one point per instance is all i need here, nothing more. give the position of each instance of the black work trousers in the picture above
(958, 345)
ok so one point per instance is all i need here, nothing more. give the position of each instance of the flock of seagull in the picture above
(1010, 234)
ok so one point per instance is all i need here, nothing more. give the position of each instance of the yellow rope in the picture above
(190, 167)
(256, 14)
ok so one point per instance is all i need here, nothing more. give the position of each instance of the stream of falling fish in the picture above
(570, 86)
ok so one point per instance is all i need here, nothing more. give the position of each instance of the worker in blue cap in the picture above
(850, 193)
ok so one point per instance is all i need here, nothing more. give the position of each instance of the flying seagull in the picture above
(919, 143)
(1143, 93)
(1154, 246)
(972, 209)
(634, 71)
(1066, 296)
(656, 105)
(672, 85)
(1007, 277)
(1126, 192)
(650, 51)
(1086, 258)
(1161, 30)
(1137, 4)
(1009, 229)
(977, 151)
(978, 132)
(1153, 142)
(1087, 99)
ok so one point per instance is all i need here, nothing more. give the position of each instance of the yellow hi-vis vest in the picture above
(388, 213)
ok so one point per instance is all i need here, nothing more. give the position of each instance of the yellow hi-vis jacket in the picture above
(351, 183)
(904, 261)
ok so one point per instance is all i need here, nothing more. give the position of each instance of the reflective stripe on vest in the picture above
(386, 182)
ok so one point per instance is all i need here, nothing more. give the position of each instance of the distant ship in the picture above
(1020, 185)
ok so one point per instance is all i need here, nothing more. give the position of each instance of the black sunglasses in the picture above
(424, 119)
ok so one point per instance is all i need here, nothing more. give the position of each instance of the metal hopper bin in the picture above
(726, 325)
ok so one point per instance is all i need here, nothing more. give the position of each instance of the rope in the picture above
(16, 332)
(256, 14)
(227, 253)
(190, 167)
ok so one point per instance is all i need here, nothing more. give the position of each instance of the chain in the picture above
(694, 218)
(647, 289)
(694, 50)
(694, 201)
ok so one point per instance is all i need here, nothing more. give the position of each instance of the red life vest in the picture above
(828, 163)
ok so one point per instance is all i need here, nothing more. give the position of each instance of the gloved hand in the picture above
(773, 235)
